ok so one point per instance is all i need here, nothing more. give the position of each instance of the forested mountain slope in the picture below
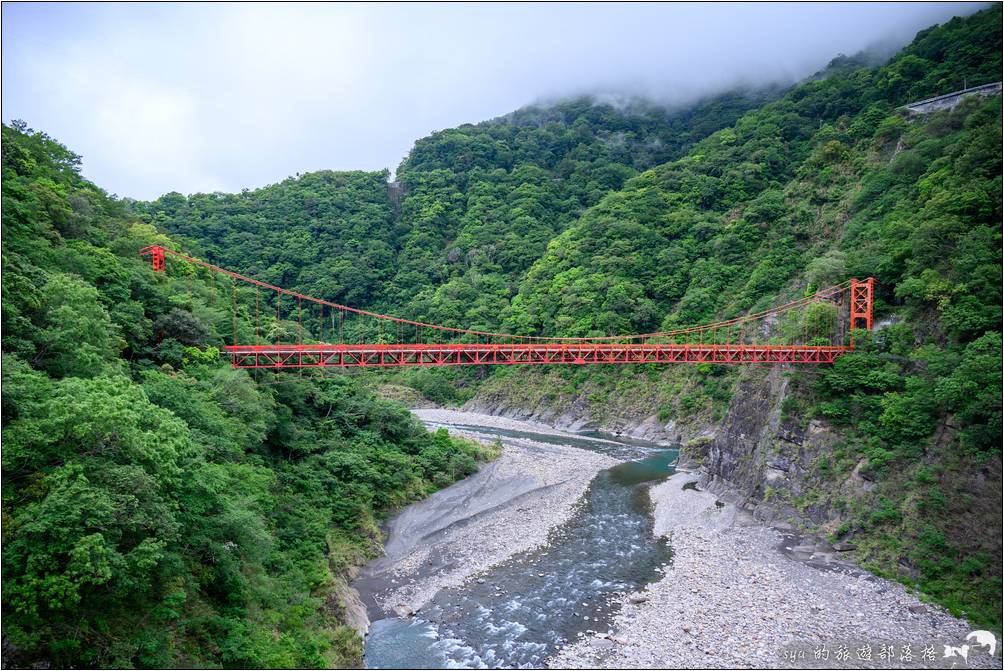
(482, 201)
(830, 182)
(583, 218)
(160, 508)
(474, 207)
(328, 234)
(751, 207)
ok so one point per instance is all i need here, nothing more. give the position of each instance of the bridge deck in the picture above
(325, 355)
(827, 316)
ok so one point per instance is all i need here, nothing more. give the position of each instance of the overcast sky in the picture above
(222, 97)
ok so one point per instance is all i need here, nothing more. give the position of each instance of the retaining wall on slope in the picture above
(950, 100)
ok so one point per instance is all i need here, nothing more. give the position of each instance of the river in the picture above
(556, 554)
(519, 612)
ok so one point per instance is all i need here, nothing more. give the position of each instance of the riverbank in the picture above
(445, 416)
(731, 599)
(509, 506)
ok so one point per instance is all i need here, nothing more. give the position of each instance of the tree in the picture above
(75, 334)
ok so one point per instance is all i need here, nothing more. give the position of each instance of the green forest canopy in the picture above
(162, 509)
(159, 508)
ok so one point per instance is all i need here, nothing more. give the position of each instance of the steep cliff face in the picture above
(934, 523)
(770, 462)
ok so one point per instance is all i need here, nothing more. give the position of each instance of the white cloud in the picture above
(187, 97)
(154, 135)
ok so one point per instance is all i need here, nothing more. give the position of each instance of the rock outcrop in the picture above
(772, 464)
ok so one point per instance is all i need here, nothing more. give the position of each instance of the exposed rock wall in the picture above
(770, 463)
(348, 606)
(575, 415)
(735, 459)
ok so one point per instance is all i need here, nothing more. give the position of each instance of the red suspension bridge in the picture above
(293, 330)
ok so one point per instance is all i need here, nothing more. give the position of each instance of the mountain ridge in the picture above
(162, 509)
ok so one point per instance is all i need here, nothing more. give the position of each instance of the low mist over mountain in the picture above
(162, 509)
(200, 98)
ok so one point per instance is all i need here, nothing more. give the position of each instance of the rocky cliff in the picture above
(773, 463)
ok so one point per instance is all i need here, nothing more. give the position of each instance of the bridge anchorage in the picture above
(293, 330)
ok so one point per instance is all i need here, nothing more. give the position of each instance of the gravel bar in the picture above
(507, 507)
(731, 599)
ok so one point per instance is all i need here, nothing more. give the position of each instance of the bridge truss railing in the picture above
(289, 329)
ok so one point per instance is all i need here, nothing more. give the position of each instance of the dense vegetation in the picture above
(833, 181)
(473, 207)
(829, 182)
(159, 508)
(725, 228)
(542, 221)
(325, 233)
(483, 201)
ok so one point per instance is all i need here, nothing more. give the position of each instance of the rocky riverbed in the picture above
(508, 507)
(731, 599)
